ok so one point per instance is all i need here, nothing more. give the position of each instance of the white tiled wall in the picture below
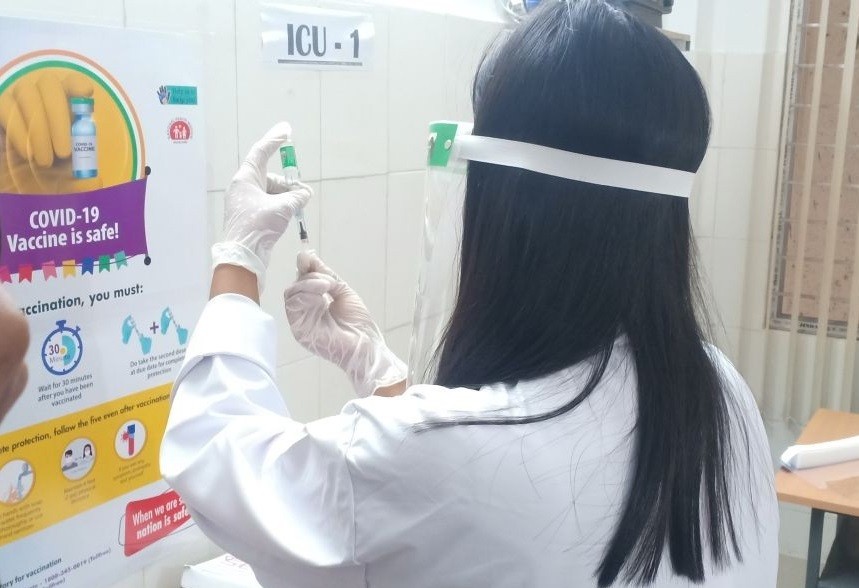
(361, 142)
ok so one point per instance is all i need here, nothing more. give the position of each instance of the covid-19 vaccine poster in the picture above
(102, 245)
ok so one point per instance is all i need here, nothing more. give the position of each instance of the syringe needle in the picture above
(290, 173)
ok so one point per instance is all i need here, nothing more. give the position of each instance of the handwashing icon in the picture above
(25, 471)
(128, 328)
(167, 318)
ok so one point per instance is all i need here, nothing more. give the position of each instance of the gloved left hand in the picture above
(258, 208)
(329, 319)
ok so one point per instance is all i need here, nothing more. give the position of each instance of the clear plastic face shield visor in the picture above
(450, 147)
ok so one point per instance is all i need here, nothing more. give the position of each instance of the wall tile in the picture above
(779, 25)
(741, 100)
(802, 376)
(683, 18)
(739, 26)
(416, 85)
(756, 285)
(282, 273)
(465, 42)
(187, 16)
(99, 12)
(353, 235)
(488, 10)
(705, 263)
(772, 99)
(734, 193)
(702, 36)
(777, 374)
(399, 340)
(354, 114)
(702, 62)
(781, 434)
(729, 264)
(855, 382)
(714, 86)
(764, 196)
(791, 572)
(215, 210)
(728, 340)
(167, 572)
(833, 375)
(793, 532)
(220, 100)
(268, 93)
(299, 384)
(132, 580)
(702, 204)
(213, 23)
(751, 360)
(405, 237)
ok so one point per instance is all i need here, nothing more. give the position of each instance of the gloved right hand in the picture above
(330, 320)
(258, 208)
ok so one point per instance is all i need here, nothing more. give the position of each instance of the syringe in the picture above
(290, 174)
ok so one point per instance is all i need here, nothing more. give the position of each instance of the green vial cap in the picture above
(88, 101)
(287, 156)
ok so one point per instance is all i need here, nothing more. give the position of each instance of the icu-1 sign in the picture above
(316, 38)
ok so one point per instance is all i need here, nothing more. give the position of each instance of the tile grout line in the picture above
(386, 261)
(318, 362)
(236, 71)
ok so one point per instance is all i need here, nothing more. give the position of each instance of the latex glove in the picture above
(258, 208)
(36, 119)
(329, 319)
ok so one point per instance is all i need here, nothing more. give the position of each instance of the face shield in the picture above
(451, 146)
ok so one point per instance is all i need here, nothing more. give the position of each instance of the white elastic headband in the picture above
(574, 166)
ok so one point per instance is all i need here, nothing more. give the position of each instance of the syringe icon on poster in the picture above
(129, 327)
(167, 319)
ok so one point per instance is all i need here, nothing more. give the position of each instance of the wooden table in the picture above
(825, 425)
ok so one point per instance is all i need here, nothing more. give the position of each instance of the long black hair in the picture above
(553, 271)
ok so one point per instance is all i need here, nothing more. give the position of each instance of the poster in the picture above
(102, 245)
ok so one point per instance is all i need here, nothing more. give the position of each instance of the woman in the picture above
(580, 433)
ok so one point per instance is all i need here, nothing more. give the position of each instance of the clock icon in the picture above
(62, 349)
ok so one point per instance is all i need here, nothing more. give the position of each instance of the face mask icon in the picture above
(129, 327)
(167, 319)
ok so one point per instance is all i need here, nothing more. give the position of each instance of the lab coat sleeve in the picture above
(272, 491)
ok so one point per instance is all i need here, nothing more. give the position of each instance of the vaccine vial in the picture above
(289, 163)
(84, 158)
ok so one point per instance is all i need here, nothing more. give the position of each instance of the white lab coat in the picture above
(361, 499)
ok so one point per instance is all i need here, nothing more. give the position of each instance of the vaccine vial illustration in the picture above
(84, 150)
